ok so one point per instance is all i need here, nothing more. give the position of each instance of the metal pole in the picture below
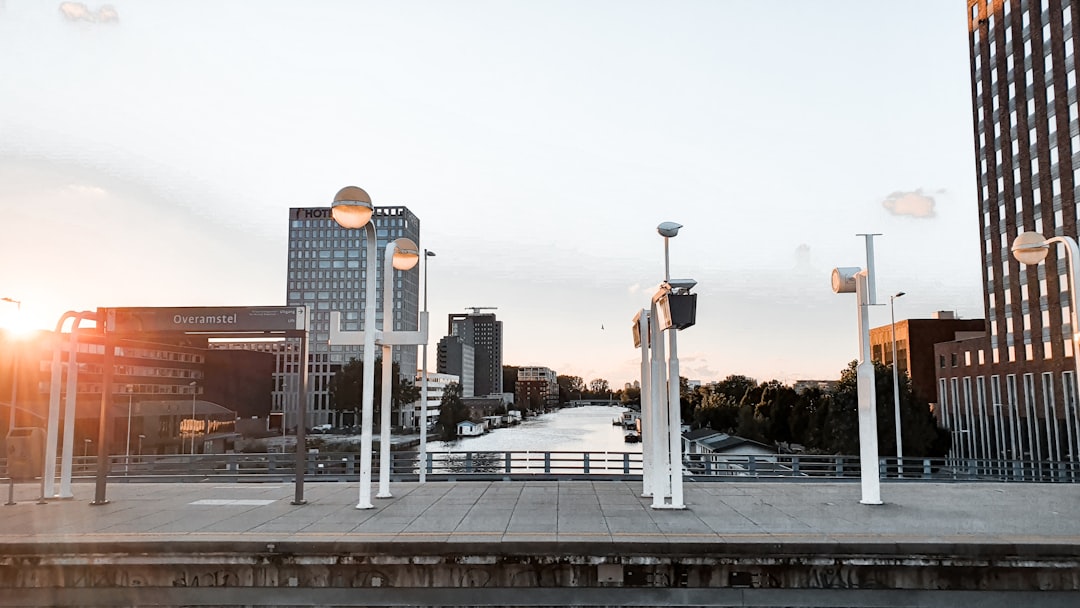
(896, 389)
(658, 384)
(15, 352)
(69, 411)
(127, 444)
(387, 370)
(194, 391)
(675, 424)
(105, 419)
(52, 432)
(1072, 252)
(302, 409)
(646, 418)
(424, 383)
(868, 440)
(367, 399)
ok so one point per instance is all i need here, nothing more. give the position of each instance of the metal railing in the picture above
(467, 465)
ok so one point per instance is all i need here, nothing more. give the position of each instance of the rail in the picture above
(465, 465)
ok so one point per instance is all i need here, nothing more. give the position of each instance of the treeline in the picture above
(822, 421)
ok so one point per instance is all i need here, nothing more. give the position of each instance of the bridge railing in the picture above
(463, 465)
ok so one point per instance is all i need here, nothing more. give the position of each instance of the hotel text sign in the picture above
(218, 319)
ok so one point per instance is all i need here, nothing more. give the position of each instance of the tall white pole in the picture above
(69, 412)
(1073, 253)
(896, 389)
(387, 369)
(424, 382)
(868, 441)
(16, 352)
(675, 424)
(646, 418)
(367, 400)
(658, 389)
(194, 391)
(52, 431)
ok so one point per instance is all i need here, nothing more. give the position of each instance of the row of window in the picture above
(1009, 428)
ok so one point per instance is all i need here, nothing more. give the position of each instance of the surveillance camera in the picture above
(686, 284)
(668, 229)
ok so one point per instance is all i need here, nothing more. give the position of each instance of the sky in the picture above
(150, 151)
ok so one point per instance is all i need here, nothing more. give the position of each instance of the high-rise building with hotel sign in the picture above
(1012, 393)
(327, 271)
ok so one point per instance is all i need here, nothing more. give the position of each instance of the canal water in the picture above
(578, 429)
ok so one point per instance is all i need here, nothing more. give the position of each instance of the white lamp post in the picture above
(194, 391)
(14, 370)
(896, 386)
(1030, 248)
(848, 280)
(352, 209)
(424, 384)
(401, 254)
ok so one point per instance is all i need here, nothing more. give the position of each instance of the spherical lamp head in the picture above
(406, 254)
(1030, 248)
(352, 207)
(668, 229)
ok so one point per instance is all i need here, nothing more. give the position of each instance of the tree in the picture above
(568, 386)
(736, 386)
(598, 387)
(347, 388)
(452, 410)
(921, 435)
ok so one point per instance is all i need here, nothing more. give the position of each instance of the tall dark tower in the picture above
(484, 333)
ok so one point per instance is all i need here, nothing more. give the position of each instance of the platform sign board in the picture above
(209, 320)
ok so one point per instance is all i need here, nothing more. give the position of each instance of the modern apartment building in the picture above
(536, 388)
(483, 332)
(1013, 392)
(327, 270)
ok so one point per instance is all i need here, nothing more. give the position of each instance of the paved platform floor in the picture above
(603, 513)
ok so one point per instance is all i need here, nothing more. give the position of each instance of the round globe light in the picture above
(352, 207)
(1030, 248)
(406, 254)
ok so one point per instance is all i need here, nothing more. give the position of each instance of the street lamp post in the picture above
(86, 447)
(424, 384)
(127, 445)
(14, 369)
(401, 254)
(848, 280)
(352, 209)
(896, 386)
(194, 390)
(1030, 248)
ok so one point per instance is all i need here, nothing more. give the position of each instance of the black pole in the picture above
(301, 409)
(105, 419)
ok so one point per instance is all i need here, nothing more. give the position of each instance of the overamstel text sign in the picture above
(218, 319)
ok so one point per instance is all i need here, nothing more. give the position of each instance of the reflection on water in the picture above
(579, 429)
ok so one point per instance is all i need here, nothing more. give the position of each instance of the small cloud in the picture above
(79, 12)
(914, 204)
(86, 191)
(635, 288)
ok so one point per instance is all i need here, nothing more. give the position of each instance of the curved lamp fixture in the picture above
(352, 207)
(1030, 248)
(406, 254)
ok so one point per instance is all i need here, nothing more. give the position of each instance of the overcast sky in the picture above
(149, 155)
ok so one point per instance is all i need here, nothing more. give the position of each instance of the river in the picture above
(578, 429)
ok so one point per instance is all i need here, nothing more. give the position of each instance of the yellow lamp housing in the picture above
(352, 207)
(406, 254)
